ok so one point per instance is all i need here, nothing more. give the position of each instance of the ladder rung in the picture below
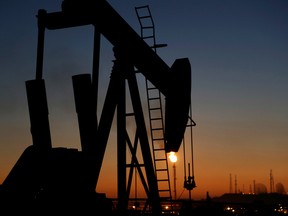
(162, 179)
(148, 27)
(161, 170)
(145, 17)
(154, 98)
(157, 139)
(147, 37)
(157, 128)
(155, 108)
(156, 119)
(141, 7)
(161, 159)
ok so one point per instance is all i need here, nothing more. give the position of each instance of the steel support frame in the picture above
(115, 98)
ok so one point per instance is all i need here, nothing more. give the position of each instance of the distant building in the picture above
(260, 188)
(280, 188)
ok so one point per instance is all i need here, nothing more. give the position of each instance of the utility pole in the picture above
(271, 182)
(235, 184)
(231, 188)
(173, 159)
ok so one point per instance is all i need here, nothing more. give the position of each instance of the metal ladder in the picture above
(155, 110)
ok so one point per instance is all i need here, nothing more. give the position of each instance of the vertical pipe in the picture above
(38, 111)
(87, 121)
(121, 145)
(85, 111)
(40, 44)
(174, 173)
(95, 69)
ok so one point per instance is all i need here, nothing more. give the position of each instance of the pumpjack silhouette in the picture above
(63, 180)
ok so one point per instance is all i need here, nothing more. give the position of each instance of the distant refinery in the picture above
(256, 187)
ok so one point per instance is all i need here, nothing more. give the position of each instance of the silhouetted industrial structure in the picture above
(63, 180)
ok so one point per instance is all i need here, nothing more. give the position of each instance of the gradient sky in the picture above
(238, 51)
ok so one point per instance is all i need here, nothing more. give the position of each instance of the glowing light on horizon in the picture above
(173, 157)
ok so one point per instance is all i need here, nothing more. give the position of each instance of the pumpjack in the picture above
(63, 180)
